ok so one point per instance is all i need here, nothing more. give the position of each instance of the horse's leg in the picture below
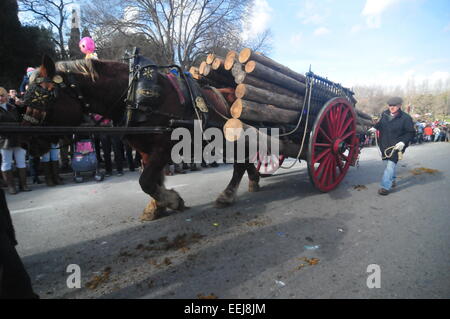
(228, 196)
(152, 183)
(253, 178)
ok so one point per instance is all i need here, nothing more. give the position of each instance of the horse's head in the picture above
(51, 98)
(59, 94)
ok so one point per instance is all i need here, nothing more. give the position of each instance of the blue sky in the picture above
(360, 42)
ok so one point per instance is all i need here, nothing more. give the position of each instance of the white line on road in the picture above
(177, 186)
(26, 210)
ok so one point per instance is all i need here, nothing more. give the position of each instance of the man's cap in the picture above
(395, 101)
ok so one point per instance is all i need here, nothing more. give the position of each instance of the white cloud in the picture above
(258, 20)
(321, 31)
(374, 9)
(401, 60)
(437, 61)
(356, 28)
(296, 40)
(314, 12)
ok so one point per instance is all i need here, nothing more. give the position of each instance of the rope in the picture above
(391, 149)
(307, 97)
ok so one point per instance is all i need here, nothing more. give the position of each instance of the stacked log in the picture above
(268, 94)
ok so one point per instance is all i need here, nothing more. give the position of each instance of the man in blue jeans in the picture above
(396, 131)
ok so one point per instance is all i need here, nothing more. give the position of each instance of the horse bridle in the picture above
(38, 99)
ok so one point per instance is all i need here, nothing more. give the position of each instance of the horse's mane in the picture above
(84, 67)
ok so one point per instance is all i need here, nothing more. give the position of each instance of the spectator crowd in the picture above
(438, 131)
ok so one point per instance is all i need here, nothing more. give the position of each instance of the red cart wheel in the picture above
(267, 165)
(332, 144)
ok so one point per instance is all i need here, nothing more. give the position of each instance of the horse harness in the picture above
(144, 92)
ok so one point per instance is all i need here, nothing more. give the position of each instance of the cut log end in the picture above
(250, 66)
(240, 91)
(233, 130)
(210, 58)
(195, 73)
(218, 62)
(201, 68)
(207, 69)
(236, 109)
(245, 55)
(230, 59)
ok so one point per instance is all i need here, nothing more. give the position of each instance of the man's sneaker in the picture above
(383, 192)
(120, 173)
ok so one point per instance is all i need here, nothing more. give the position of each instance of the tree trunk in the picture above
(363, 115)
(251, 80)
(222, 79)
(257, 112)
(238, 70)
(247, 55)
(248, 92)
(210, 58)
(230, 59)
(201, 68)
(195, 73)
(207, 69)
(217, 64)
(363, 121)
(262, 72)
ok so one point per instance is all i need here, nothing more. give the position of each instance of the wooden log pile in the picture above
(267, 93)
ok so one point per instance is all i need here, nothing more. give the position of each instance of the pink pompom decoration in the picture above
(87, 45)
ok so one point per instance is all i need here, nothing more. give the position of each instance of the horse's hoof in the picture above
(221, 204)
(180, 207)
(173, 201)
(224, 200)
(152, 212)
(253, 187)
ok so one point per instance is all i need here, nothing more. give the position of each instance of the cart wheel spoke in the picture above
(330, 126)
(344, 128)
(322, 166)
(322, 145)
(324, 134)
(326, 152)
(346, 136)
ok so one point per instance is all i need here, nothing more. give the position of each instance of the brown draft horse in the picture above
(65, 88)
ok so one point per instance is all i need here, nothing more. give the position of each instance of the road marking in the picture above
(26, 210)
(177, 186)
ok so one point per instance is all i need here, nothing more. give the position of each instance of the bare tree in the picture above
(54, 14)
(180, 30)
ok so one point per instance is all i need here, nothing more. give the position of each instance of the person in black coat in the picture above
(15, 282)
(396, 131)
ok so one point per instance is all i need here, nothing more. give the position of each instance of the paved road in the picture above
(258, 248)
